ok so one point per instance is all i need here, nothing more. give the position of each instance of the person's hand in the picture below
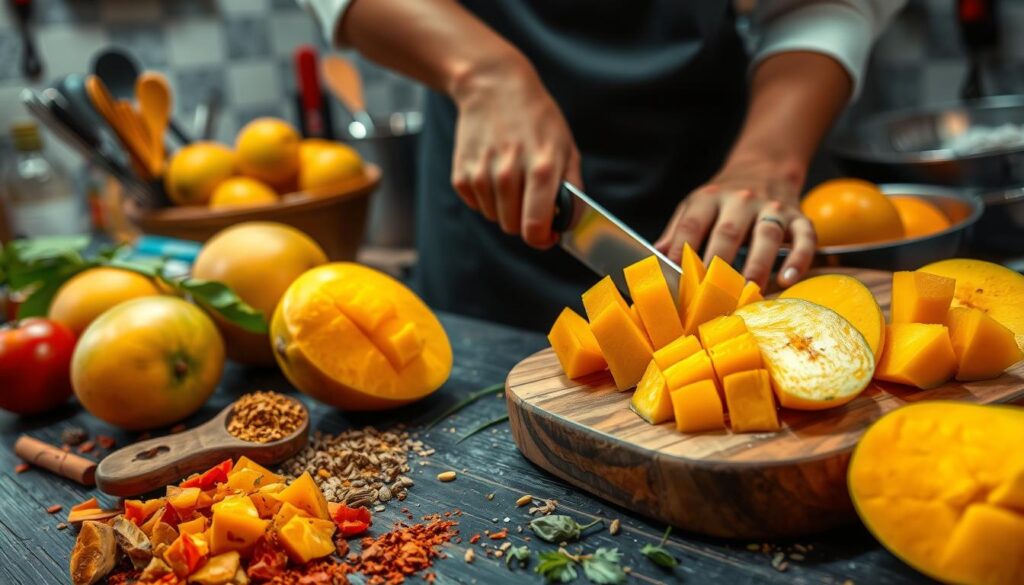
(513, 148)
(752, 197)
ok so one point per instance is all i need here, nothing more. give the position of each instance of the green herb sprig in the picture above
(519, 554)
(559, 528)
(603, 567)
(556, 566)
(658, 554)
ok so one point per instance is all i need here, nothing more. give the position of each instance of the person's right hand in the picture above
(513, 148)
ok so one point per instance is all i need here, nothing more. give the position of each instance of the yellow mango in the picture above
(266, 504)
(695, 368)
(286, 513)
(219, 570)
(305, 539)
(710, 301)
(720, 329)
(303, 493)
(920, 297)
(919, 477)
(653, 301)
(244, 463)
(751, 293)
(851, 299)
(917, 354)
(735, 355)
(183, 500)
(651, 400)
(750, 402)
(196, 525)
(624, 345)
(984, 348)
(993, 288)
(725, 277)
(677, 351)
(689, 281)
(575, 345)
(697, 407)
(236, 525)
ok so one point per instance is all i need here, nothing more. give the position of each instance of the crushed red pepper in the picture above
(406, 550)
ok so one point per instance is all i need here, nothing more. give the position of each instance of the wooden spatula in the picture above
(119, 123)
(344, 81)
(154, 96)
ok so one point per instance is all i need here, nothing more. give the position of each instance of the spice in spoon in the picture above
(262, 417)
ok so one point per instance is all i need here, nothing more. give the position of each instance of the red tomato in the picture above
(35, 359)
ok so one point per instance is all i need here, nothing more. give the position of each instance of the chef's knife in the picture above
(601, 241)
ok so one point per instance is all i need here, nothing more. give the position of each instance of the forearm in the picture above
(795, 97)
(437, 42)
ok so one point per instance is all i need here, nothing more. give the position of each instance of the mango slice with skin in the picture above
(815, 358)
(709, 301)
(575, 345)
(725, 277)
(651, 400)
(735, 355)
(920, 297)
(749, 400)
(751, 293)
(693, 274)
(653, 301)
(720, 329)
(677, 351)
(923, 480)
(698, 408)
(994, 289)
(917, 354)
(624, 345)
(984, 348)
(850, 298)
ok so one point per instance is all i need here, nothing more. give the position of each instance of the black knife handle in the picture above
(563, 210)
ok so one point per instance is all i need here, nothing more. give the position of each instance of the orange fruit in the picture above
(196, 170)
(330, 169)
(310, 146)
(147, 363)
(239, 256)
(919, 217)
(851, 211)
(88, 294)
(268, 150)
(242, 192)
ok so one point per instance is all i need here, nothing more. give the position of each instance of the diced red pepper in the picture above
(211, 477)
(351, 521)
(134, 511)
(193, 555)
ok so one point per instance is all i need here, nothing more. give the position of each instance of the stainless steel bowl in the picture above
(962, 208)
(913, 146)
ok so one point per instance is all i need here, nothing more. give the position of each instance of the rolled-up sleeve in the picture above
(841, 29)
(328, 15)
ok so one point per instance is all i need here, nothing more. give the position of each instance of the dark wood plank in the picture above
(787, 483)
(33, 551)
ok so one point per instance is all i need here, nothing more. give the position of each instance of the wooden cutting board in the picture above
(763, 485)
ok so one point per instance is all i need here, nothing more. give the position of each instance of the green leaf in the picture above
(37, 249)
(483, 426)
(556, 567)
(659, 555)
(558, 528)
(518, 553)
(466, 402)
(219, 297)
(603, 567)
(38, 303)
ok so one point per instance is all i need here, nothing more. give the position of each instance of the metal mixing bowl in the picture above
(914, 146)
(962, 208)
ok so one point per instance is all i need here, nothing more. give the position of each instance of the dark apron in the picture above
(654, 92)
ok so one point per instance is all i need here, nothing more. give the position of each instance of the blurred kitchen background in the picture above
(242, 50)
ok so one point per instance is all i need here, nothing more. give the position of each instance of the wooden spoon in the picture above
(345, 83)
(154, 96)
(108, 108)
(152, 464)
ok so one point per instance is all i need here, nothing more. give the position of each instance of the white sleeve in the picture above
(328, 15)
(841, 29)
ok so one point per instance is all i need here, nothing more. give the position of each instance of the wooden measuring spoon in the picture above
(154, 463)
(153, 93)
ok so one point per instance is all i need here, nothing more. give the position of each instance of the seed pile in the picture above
(359, 467)
(262, 417)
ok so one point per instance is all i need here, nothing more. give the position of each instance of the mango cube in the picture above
(725, 277)
(245, 463)
(920, 297)
(677, 351)
(303, 493)
(710, 301)
(697, 407)
(917, 354)
(735, 355)
(575, 345)
(367, 309)
(219, 570)
(653, 301)
(624, 345)
(305, 539)
(651, 400)
(695, 368)
(720, 329)
(984, 347)
(236, 525)
(751, 404)
(693, 274)
(197, 525)
(751, 293)
(403, 345)
(982, 542)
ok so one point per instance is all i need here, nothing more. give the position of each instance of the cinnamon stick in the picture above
(56, 460)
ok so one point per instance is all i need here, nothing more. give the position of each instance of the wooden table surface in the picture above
(34, 551)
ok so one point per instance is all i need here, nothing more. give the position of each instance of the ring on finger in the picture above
(776, 220)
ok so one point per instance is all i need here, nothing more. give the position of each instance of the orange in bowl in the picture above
(919, 217)
(241, 192)
(268, 150)
(329, 168)
(851, 211)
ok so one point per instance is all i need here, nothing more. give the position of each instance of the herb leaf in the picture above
(220, 298)
(658, 554)
(482, 426)
(558, 528)
(521, 554)
(603, 567)
(556, 567)
(466, 402)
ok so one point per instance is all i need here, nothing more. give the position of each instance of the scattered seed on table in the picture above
(499, 553)
(469, 556)
(61, 526)
(754, 547)
(446, 476)
(54, 509)
(505, 519)
(506, 546)
(796, 557)
(523, 500)
(800, 548)
(490, 496)
(86, 447)
(73, 436)
(379, 508)
(613, 528)
(22, 467)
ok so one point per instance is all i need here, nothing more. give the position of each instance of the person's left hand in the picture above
(750, 197)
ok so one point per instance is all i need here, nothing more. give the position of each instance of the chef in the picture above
(652, 106)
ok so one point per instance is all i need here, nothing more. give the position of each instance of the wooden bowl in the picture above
(335, 219)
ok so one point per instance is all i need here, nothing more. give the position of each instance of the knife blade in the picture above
(601, 241)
